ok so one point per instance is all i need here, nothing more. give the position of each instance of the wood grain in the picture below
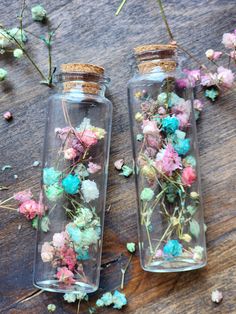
(91, 33)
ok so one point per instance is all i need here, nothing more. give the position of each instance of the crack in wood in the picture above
(113, 261)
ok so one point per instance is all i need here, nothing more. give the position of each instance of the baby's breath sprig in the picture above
(16, 37)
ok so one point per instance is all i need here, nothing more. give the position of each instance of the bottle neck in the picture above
(83, 83)
(153, 60)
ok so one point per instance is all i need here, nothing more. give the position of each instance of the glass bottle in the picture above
(74, 181)
(163, 130)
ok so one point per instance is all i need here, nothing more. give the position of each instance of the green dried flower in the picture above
(51, 307)
(38, 13)
(3, 74)
(18, 53)
(126, 171)
(147, 194)
(18, 34)
(131, 247)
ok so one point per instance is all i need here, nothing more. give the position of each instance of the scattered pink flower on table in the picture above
(168, 160)
(233, 55)
(198, 104)
(59, 239)
(182, 83)
(29, 209)
(119, 164)
(70, 153)
(47, 252)
(225, 77)
(193, 76)
(68, 257)
(87, 137)
(188, 176)
(150, 127)
(229, 40)
(213, 55)
(7, 115)
(65, 275)
(23, 196)
(93, 168)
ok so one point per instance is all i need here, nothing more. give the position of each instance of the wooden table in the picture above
(91, 33)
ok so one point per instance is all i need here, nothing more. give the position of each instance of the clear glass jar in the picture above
(163, 130)
(74, 181)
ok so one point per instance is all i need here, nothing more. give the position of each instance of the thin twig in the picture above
(163, 15)
(120, 7)
(123, 271)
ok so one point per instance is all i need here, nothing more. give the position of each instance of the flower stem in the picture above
(123, 271)
(120, 7)
(165, 19)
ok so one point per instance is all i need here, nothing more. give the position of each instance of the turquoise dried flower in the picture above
(54, 192)
(50, 176)
(126, 171)
(182, 147)
(119, 300)
(107, 298)
(3, 74)
(18, 53)
(99, 303)
(71, 184)
(38, 13)
(74, 233)
(82, 254)
(173, 248)
(212, 93)
(147, 194)
(130, 247)
(70, 297)
(170, 124)
(189, 161)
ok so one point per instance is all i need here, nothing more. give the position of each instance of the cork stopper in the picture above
(82, 68)
(154, 47)
(85, 87)
(147, 67)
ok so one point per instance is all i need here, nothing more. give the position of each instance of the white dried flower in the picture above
(89, 190)
(216, 296)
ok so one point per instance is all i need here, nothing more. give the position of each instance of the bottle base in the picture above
(56, 286)
(173, 266)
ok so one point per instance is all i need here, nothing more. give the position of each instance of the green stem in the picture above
(123, 271)
(120, 7)
(163, 15)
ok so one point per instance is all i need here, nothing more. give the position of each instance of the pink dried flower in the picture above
(233, 55)
(159, 254)
(225, 77)
(68, 257)
(161, 111)
(193, 76)
(59, 239)
(182, 112)
(93, 168)
(29, 209)
(7, 115)
(168, 160)
(188, 176)
(182, 83)
(229, 40)
(198, 104)
(87, 137)
(65, 275)
(23, 196)
(213, 55)
(150, 127)
(47, 252)
(70, 153)
(153, 141)
(119, 164)
(209, 79)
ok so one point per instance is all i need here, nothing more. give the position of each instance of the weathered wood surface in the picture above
(91, 33)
